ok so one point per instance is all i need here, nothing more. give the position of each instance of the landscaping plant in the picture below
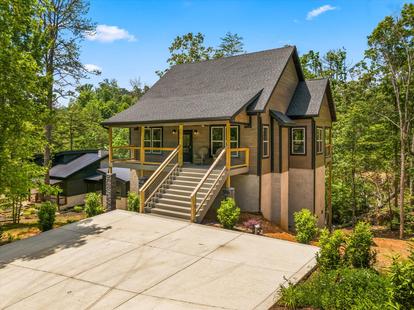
(93, 204)
(329, 255)
(78, 209)
(133, 202)
(46, 215)
(344, 288)
(358, 252)
(305, 225)
(228, 214)
(402, 280)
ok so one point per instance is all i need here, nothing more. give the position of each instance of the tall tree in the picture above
(391, 51)
(191, 48)
(65, 24)
(231, 44)
(21, 98)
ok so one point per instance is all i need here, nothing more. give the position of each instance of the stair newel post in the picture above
(228, 153)
(141, 201)
(193, 207)
(180, 143)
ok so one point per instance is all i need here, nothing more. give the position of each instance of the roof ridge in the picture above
(317, 79)
(233, 56)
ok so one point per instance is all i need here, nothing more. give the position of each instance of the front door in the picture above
(188, 146)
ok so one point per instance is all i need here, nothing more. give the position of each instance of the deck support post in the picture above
(228, 153)
(110, 153)
(180, 143)
(110, 187)
(142, 150)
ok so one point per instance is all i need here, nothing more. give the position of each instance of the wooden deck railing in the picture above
(242, 159)
(134, 154)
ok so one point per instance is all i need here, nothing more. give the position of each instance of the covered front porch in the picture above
(197, 144)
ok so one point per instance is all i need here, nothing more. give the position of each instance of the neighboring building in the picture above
(82, 171)
(251, 123)
(71, 170)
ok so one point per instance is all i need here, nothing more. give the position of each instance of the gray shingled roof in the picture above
(282, 118)
(63, 171)
(212, 89)
(123, 174)
(308, 98)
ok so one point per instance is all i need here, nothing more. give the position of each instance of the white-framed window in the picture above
(298, 141)
(153, 138)
(266, 140)
(319, 140)
(218, 139)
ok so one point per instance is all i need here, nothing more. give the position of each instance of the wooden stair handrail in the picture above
(153, 177)
(197, 188)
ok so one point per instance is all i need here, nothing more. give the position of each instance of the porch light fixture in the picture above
(174, 131)
(195, 132)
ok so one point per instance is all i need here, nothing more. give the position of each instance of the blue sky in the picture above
(133, 36)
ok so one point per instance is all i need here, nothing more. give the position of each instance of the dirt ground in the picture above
(28, 225)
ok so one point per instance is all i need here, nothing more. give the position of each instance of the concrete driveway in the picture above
(133, 261)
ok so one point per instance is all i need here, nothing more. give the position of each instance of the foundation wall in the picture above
(246, 192)
(300, 191)
(320, 195)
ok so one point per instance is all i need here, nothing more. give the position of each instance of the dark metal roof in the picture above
(281, 118)
(123, 174)
(63, 171)
(95, 178)
(307, 100)
(212, 89)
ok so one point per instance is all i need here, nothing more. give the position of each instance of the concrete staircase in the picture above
(173, 198)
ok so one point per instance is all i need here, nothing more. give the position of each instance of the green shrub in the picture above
(133, 202)
(46, 215)
(344, 288)
(402, 280)
(358, 252)
(93, 204)
(329, 255)
(78, 209)
(305, 225)
(228, 214)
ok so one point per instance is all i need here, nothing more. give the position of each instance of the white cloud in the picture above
(92, 68)
(105, 33)
(318, 11)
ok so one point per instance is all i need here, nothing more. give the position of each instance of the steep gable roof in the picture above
(62, 171)
(212, 89)
(308, 97)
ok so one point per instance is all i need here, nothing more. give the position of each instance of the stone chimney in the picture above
(102, 153)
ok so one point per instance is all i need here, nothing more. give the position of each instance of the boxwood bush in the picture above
(358, 251)
(93, 204)
(305, 225)
(329, 255)
(46, 216)
(133, 202)
(228, 214)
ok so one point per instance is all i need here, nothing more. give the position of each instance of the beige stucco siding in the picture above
(320, 195)
(246, 192)
(301, 191)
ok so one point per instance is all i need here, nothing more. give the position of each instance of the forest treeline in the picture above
(40, 45)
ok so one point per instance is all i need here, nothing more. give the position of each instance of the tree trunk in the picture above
(402, 181)
(353, 197)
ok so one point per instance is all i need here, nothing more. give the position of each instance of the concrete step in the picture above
(180, 197)
(163, 200)
(186, 188)
(170, 213)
